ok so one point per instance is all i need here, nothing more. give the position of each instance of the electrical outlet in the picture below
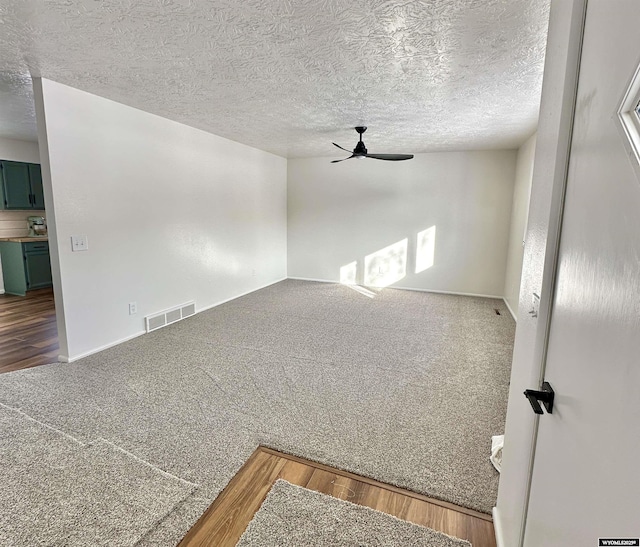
(253, 273)
(133, 308)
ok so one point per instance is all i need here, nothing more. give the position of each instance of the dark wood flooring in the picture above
(28, 332)
(228, 516)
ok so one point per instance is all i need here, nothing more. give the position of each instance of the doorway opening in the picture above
(28, 330)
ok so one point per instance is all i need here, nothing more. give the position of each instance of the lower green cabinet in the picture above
(37, 270)
(25, 266)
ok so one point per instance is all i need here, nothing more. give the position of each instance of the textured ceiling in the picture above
(291, 76)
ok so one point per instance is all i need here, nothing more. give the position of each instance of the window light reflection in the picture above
(386, 266)
(425, 249)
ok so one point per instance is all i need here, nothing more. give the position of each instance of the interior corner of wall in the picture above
(513, 314)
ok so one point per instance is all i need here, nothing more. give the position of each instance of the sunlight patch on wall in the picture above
(425, 249)
(386, 266)
(348, 273)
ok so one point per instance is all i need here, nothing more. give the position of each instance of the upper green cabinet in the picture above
(35, 178)
(15, 185)
(20, 186)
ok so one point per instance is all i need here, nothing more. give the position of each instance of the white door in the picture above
(586, 474)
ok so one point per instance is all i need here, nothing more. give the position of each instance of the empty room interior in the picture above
(281, 273)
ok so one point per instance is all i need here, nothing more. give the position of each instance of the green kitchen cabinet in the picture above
(16, 187)
(20, 186)
(35, 180)
(25, 266)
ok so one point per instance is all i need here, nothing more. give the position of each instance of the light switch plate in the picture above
(79, 243)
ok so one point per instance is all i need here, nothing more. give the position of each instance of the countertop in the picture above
(25, 239)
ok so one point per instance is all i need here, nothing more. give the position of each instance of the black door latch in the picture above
(546, 396)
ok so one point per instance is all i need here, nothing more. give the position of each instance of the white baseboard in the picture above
(71, 359)
(312, 279)
(456, 293)
(240, 295)
(510, 310)
(497, 527)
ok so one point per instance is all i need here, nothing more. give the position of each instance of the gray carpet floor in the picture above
(292, 516)
(406, 388)
(47, 477)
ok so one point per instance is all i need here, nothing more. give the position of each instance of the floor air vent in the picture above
(166, 317)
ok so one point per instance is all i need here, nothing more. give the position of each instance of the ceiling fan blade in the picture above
(338, 161)
(360, 151)
(340, 147)
(390, 157)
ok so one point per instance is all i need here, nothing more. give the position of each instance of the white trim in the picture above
(240, 295)
(454, 293)
(67, 359)
(313, 279)
(561, 165)
(499, 297)
(510, 310)
(497, 528)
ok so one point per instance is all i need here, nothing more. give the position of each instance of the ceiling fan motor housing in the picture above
(360, 149)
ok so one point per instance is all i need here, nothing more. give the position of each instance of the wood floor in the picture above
(28, 332)
(228, 516)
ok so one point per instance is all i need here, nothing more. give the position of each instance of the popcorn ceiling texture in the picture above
(290, 77)
(17, 111)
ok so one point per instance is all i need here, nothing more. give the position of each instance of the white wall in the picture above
(14, 223)
(341, 213)
(15, 150)
(519, 213)
(171, 213)
(543, 227)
